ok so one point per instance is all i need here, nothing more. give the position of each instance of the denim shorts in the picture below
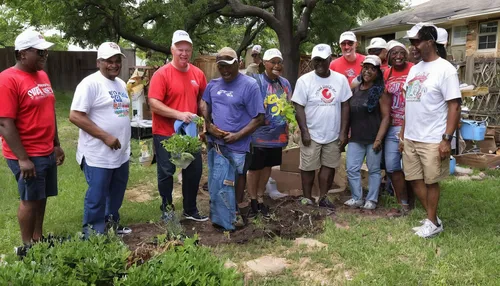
(43, 185)
(391, 150)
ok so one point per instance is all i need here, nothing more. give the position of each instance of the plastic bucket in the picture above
(473, 130)
(453, 164)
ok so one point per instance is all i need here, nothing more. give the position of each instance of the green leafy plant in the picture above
(287, 110)
(182, 148)
(199, 121)
(182, 265)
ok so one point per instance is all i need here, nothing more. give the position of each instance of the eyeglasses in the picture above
(254, 55)
(347, 43)
(275, 63)
(41, 53)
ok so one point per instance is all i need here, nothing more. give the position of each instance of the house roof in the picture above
(436, 11)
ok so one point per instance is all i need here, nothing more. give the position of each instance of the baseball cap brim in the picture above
(229, 62)
(109, 56)
(43, 46)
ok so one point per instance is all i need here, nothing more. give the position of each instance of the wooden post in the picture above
(469, 70)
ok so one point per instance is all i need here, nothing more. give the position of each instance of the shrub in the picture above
(102, 260)
(182, 265)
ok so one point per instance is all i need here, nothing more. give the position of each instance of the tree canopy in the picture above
(212, 24)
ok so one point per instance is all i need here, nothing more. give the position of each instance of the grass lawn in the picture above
(360, 250)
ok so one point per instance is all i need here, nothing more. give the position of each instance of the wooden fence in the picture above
(66, 69)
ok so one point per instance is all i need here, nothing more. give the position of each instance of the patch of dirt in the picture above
(141, 193)
(289, 220)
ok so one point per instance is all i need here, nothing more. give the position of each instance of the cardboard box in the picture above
(488, 145)
(478, 160)
(290, 159)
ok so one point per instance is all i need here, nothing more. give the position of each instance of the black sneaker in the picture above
(21, 251)
(325, 203)
(253, 211)
(196, 216)
(264, 211)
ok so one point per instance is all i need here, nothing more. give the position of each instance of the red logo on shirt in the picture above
(327, 95)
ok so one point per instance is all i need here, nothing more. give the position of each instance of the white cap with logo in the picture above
(412, 33)
(256, 49)
(321, 51)
(272, 53)
(108, 49)
(377, 43)
(347, 36)
(181, 36)
(372, 59)
(31, 39)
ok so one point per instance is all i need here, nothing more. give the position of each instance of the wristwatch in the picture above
(447, 137)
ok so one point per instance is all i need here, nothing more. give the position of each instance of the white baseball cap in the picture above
(412, 33)
(442, 36)
(228, 52)
(347, 36)
(31, 39)
(272, 53)
(256, 49)
(372, 59)
(392, 44)
(181, 36)
(108, 49)
(377, 43)
(321, 51)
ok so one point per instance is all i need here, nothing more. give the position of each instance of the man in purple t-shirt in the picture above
(233, 103)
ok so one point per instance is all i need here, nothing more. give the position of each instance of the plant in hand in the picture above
(182, 148)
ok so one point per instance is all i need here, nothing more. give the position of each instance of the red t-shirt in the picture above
(29, 100)
(178, 90)
(394, 83)
(350, 69)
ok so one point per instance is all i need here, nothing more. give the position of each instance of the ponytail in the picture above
(441, 51)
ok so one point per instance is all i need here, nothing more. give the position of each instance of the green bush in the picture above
(102, 260)
(182, 265)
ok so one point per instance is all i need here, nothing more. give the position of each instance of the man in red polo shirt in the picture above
(28, 127)
(174, 94)
(349, 64)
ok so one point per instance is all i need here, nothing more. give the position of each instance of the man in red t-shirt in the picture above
(28, 127)
(349, 64)
(174, 94)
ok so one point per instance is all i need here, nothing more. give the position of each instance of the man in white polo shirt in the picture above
(321, 101)
(100, 109)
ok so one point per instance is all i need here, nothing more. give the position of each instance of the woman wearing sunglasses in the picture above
(368, 119)
(431, 116)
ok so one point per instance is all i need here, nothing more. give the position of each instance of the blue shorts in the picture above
(44, 185)
(391, 150)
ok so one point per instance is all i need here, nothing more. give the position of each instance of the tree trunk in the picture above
(290, 50)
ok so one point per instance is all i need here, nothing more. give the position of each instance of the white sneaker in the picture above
(354, 203)
(423, 221)
(369, 205)
(429, 229)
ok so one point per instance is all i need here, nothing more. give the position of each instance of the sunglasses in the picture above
(347, 43)
(375, 52)
(274, 63)
(41, 53)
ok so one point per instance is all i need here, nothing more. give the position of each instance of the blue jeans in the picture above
(356, 153)
(191, 177)
(391, 150)
(222, 175)
(44, 185)
(104, 196)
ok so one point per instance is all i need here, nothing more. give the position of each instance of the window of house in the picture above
(459, 36)
(487, 38)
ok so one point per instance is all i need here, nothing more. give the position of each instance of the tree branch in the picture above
(303, 25)
(241, 10)
(193, 21)
(250, 35)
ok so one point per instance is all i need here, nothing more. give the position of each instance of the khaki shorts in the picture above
(421, 161)
(316, 155)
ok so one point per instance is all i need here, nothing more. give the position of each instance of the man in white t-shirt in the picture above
(432, 113)
(100, 109)
(321, 101)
